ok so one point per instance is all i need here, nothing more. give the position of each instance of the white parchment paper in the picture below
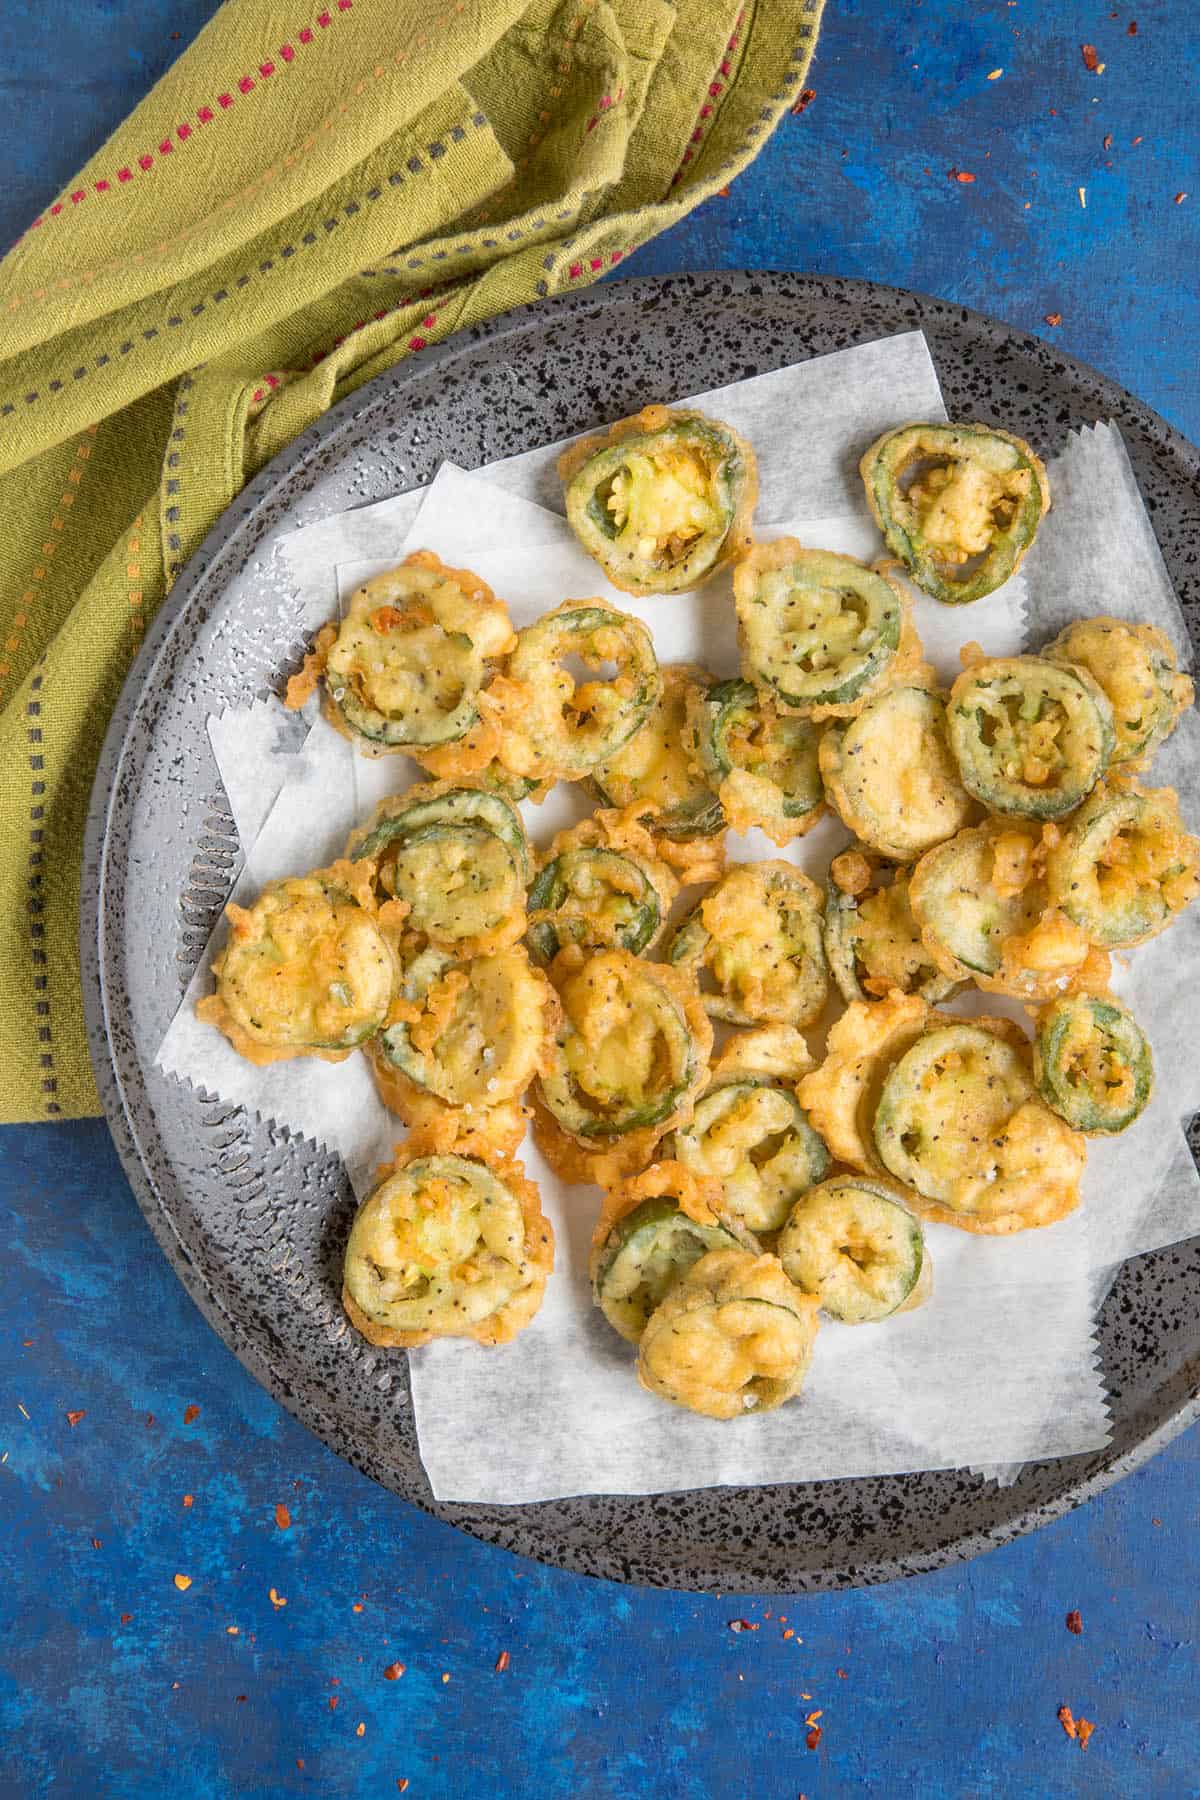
(1097, 554)
(1000, 1365)
(808, 467)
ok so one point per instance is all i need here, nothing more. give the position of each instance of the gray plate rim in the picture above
(118, 1086)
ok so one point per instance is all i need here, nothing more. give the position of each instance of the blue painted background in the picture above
(113, 1682)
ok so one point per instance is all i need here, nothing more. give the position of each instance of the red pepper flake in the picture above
(73, 1418)
(1054, 318)
(183, 1583)
(190, 1413)
(803, 101)
(299, 1762)
(126, 1618)
(360, 1729)
(1086, 1729)
(1066, 1719)
(502, 1662)
(95, 1543)
(842, 1675)
(188, 1499)
(742, 1625)
(1107, 140)
(812, 1738)
(1091, 59)
(277, 1600)
(1180, 198)
(1131, 28)
(283, 1517)
(445, 1677)
(960, 175)
(333, 1700)
(789, 1633)
(393, 1672)
(1138, 139)
(1075, 1622)
(231, 1631)
(240, 1698)
(357, 1607)
(402, 1782)
(813, 1717)
(149, 1419)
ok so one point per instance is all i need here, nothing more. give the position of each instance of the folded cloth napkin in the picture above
(312, 193)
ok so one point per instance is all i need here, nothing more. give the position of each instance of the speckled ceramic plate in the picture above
(252, 1220)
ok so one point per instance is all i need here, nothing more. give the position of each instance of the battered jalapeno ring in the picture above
(872, 941)
(661, 499)
(733, 1336)
(840, 1097)
(890, 774)
(631, 1048)
(650, 1231)
(552, 726)
(958, 1122)
(1092, 1063)
(751, 1135)
(601, 884)
(757, 937)
(760, 763)
(986, 914)
(819, 632)
(447, 1246)
(958, 504)
(306, 970)
(405, 667)
(853, 1243)
(466, 1036)
(1029, 736)
(1137, 668)
(654, 776)
(456, 858)
(1124, 865)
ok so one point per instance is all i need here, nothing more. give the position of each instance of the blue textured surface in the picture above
(116, 1683)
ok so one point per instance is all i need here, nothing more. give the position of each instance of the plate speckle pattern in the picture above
(253, 1218)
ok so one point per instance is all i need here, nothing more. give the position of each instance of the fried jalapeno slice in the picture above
(650, 1231)
(404, 669)
(733, 1336)
(840, 1097)
(872, 941)
(1029, 736)
(751, 1134)
(601, 884)
(890, 774)
(631, 1047)
(853, 1243)
(819, 632)
(1124, 866)
(661, 499)
(654, 777)
(468, 1036)
(447, 1246)
(306, 970)
(1092, 1063)
(958, 1121)
(760, 763)
(755, 944)
(456, 858)
(958, 504)
(985, 912)
(555, 726)
(1137, 668)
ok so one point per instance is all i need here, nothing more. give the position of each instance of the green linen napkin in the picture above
(312, 193)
